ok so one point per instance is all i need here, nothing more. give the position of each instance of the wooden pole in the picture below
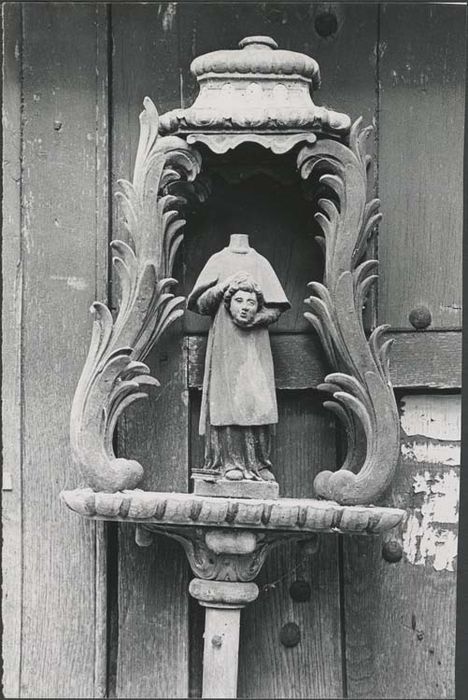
(224, 601)
(221, 652)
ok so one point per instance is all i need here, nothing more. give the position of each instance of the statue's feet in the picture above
(234, 474)
(267, 475)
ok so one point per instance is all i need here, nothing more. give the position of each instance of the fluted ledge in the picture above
(286, 514)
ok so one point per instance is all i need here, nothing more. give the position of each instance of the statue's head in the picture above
(243, 298)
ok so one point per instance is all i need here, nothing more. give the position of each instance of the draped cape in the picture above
(238, 383)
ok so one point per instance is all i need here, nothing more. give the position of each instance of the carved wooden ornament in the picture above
(364, 399)
(262, 94)
(114, 375)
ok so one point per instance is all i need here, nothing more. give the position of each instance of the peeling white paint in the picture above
(433, 416)
(437, 453)
(426, 537)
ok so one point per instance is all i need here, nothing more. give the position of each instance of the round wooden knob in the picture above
(258, 40)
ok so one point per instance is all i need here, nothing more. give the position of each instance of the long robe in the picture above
(238, 384)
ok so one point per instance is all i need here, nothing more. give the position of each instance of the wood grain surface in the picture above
(12, 269)
(64, 237)
(422, 77)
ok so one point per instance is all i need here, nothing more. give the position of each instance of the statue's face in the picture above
(243, 307)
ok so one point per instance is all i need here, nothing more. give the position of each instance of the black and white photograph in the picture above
(232, 255)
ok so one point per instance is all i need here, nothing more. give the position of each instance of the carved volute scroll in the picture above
(114, 375)
(363, 396)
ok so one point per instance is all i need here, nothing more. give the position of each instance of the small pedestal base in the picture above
(235, 489)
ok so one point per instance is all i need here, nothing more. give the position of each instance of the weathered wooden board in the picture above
(426, 360)
(422, 77)
(152, 655)
(431, 360)
(400, 617)
(11, 355)
(63, 254)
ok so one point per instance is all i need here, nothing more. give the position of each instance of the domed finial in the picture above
(258, 41)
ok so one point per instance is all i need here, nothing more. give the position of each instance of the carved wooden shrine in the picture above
(262, 95)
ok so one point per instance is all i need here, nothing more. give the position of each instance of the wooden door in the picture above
(86, 611)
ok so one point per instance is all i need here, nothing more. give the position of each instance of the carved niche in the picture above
(263, 95)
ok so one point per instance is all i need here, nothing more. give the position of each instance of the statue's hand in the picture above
(265, 316)
(225, 283)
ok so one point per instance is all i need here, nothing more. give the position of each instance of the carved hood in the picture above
(257, 88)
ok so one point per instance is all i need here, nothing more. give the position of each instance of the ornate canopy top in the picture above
(258, 54)
(257, 88)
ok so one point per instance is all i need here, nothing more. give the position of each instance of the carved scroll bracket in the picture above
(360, 385)
(224, 554)
(114, 375)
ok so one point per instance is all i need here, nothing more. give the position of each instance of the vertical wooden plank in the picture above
(64, 239)
(400, 617)
(422, 78)
(102, 146)
(152, 655)
(11, 351)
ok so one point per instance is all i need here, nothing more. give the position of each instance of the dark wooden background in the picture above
(86, 612)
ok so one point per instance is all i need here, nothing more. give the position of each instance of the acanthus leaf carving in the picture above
(208, 564)
(114, 375)
(363, 397)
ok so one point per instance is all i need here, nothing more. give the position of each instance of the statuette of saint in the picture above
(239, 289)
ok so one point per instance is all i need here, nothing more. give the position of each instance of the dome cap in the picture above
(257, 55)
